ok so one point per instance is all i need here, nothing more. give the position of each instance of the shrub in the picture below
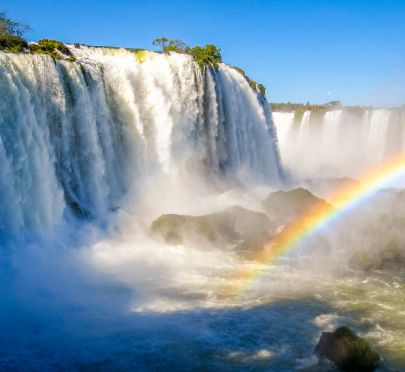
(51, 45)
(12, 43)
(255, 86)
(46, 46)
(207, 56)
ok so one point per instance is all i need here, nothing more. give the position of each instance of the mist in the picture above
(91, 156)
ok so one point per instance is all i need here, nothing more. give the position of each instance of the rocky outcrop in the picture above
(217, 228)
(287, 206)
(333, 188)
(361, 261)
(223, 228)
(54, 48)
(251, 224)
(349, 352)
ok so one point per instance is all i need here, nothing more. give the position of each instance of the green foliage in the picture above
(239, 70)
(50, 47)
(255, 86)
(299, 114)
(12, 43)
(11, 28)
(356, 111)
(285, 107)
(163, 42)
(262, 89)
(360, 356)
(207, 56)
(11, 34)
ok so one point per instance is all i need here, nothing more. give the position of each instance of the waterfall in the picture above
(303, 133)
(331, 139)
(284, 122)
(82, 137)
(342, 143)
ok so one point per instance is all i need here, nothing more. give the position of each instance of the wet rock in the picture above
(287, 206)
(251, 224)
(361, 261)
(217, 228)
(347, 351)
(328, 187)
(393, 253)
(251, 246)
(222, 228)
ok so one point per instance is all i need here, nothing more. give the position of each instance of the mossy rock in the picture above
(361, 261)
(287, 206)
(12, 43)
(220, 229)
(251, 224)
(46, 46)
(217, 228)
(347, 351)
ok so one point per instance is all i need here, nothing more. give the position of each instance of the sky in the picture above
(316, 51)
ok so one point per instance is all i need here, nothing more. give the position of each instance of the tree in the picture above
(167, 45)
(9, 27)
(11, 34)
(162, 42)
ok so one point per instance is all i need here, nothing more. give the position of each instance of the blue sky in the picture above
(300, 50)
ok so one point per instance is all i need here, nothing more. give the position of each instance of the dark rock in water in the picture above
(286, 206)
(79, 211)
(361, 261)
(349, 352)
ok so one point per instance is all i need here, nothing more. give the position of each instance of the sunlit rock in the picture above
(286, 206)
(226, 227)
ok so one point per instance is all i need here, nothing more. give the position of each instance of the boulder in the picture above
(217, 228)
(287, 206)
(251, 224)
(347, 351)
(361, 261)
(222, 228)
(330, 187)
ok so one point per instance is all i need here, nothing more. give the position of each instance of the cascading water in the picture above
(129, 133)
(86, 134)
(340, 145)
(284, 122)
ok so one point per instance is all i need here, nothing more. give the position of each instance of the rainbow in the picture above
(315, 221)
